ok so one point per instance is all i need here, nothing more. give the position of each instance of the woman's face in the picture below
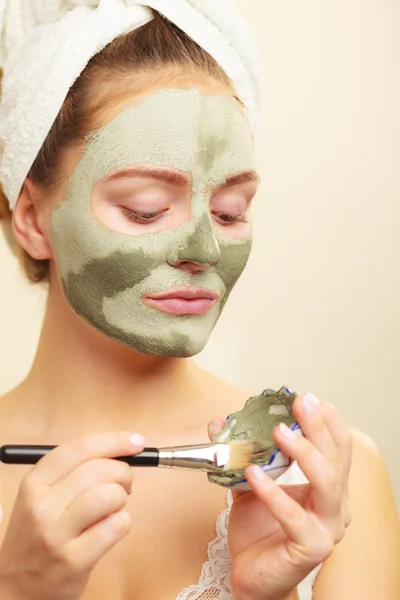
(158, 204)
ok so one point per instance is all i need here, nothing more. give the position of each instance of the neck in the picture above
(81, 381)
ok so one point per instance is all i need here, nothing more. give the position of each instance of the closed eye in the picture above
(143, 218)
(228, 219)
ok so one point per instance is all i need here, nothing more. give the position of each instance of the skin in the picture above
(98, 385)
(105, 274)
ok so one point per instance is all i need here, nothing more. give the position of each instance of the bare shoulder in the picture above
(363, 443)
(369, 478)
(365, 563)
(367, 458)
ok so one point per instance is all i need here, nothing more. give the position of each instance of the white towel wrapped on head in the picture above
(46, 44)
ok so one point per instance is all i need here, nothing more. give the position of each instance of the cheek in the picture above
(234, 257)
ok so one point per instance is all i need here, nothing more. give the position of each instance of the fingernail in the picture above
(257, 473)
(137, 440)
(309, 403)
(286, 431)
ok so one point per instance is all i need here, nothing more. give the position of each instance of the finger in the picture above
(214, 427)
(325, 479)
(65, 458)
(313, 426)
(294, 520)
(340, 433)
(89, 475)
(91, 507)
(87, 549)
(297, 491)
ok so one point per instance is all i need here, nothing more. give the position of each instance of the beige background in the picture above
(318, 306)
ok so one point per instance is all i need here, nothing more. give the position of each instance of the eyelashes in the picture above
(147, 218)
(229, 219)
(142, 217)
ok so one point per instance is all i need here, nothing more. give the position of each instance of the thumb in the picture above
(214, 427)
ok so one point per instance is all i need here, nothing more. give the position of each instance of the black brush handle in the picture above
(30, 455)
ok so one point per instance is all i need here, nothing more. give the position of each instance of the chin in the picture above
(179, 349)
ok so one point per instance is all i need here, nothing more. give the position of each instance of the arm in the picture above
(365, 565)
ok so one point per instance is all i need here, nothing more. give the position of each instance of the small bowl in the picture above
(277, 465)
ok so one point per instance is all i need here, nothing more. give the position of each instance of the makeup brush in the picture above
(214, 458)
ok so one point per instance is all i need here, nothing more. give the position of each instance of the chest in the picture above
(174, 516)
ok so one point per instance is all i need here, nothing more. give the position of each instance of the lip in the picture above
(183, 301)
(186, 293)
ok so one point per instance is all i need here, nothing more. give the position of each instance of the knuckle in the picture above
(323, 548)
(111, 471)
(120, 496)
(27, 489)
(96, 470)
(340, 533)
(34, 503)
(39, 519)
(67, 557)
(347, 516)
(82, 447)
(347, 440)
(122, 522)
(110, 496)
(124, 472)
(48, 541)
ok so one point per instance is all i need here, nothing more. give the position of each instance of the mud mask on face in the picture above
(105, 274)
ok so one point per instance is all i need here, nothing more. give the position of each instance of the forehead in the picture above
(204, 135)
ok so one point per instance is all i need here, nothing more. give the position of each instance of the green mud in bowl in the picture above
(256, 421)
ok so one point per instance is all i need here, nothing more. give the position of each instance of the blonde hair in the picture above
(157, 44)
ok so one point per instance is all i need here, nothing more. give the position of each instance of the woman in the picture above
(137, 212)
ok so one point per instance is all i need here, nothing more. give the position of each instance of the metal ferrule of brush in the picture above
(207, 457)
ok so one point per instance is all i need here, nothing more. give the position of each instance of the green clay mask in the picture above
(105, 274)
(256, 421)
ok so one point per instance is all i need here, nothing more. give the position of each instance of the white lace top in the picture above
(214, 580)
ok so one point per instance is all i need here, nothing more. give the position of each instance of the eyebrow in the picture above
(172, 177)
(242, 178)
(179, 179)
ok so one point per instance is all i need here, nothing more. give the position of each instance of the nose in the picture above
(199, 251)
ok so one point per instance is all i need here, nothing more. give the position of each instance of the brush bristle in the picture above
(240, 454)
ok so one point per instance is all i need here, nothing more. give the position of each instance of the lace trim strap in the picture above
(214, 581)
